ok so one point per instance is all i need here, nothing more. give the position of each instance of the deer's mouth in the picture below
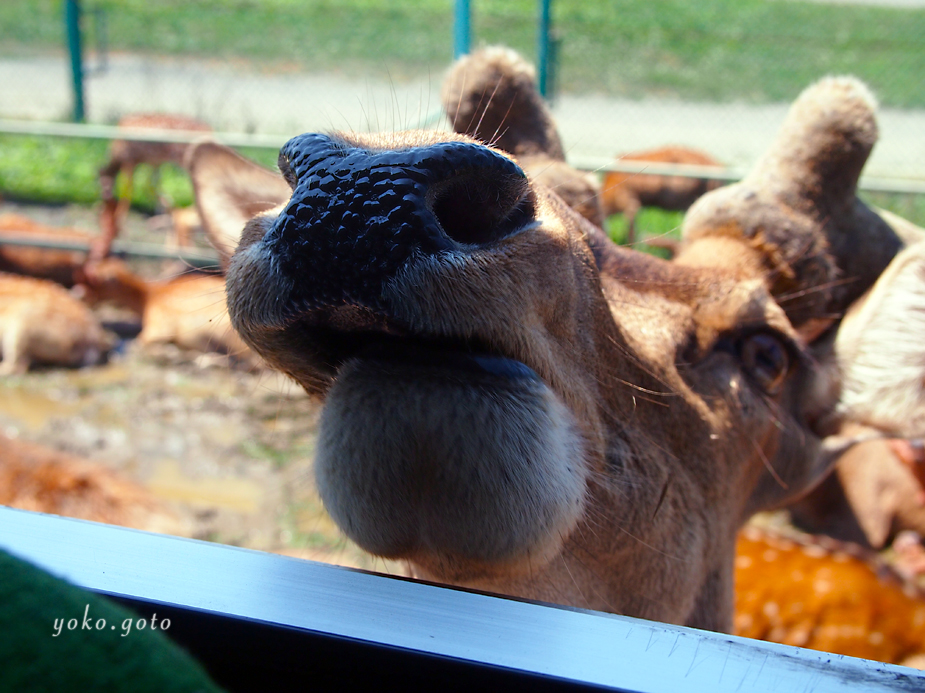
(337, 335)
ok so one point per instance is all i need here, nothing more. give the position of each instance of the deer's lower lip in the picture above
(341, 334)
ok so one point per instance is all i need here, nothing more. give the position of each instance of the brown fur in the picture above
(491, 95)
(61, 266)
(125, 156)
(797, 210)
(43, 480)
(188, 310)
(41, 323)
(621, 416)
(626, 193)
(824, 595)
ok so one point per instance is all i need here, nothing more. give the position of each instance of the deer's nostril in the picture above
(356, 215)
(480, 206)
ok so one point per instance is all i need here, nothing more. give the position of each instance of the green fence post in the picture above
(542, 48)
(72, 22)
(461, 25)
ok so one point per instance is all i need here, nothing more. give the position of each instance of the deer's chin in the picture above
(467, 465)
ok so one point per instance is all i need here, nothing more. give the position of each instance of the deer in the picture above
(626, 193)
(42, 323)
(491, 95)
(876, 490)
(125, 156)
(61, 266)
(815, 592)
(186, 310)
(875, 493)
(41, 479)
(514, 403)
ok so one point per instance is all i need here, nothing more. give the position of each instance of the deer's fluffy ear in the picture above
(823, 144)
(821, 246)
(491, 95)
(229, 191)
(881, 351)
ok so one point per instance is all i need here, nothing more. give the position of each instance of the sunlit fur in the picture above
(874, 493)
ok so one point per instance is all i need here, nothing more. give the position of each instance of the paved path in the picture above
(238, 99)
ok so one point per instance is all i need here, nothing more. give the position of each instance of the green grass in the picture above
(279, 458)
(650, 221)
(751, 50)
(53, 170)
(911, 207)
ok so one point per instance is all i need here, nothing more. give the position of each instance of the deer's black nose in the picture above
(356, 216)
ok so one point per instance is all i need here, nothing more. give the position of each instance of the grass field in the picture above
(749, 50)
(55, 170)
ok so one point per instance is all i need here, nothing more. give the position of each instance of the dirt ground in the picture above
(228, 450)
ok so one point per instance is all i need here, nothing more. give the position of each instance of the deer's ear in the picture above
(880, 349)
(821, 246)
(229, 191)
(823, 144)
(870, 487)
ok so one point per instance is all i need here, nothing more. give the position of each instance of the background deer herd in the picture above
(841, 570)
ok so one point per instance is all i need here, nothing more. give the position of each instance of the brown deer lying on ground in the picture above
(627, 193)
(61, 266)
(514, 403)
(43, 480)
(125, 156)
(491, 95)
(41, 323)
(825, 595)
(188, 311)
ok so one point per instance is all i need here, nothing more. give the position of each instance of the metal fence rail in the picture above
(270, 141)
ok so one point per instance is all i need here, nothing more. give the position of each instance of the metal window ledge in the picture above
(259, 621)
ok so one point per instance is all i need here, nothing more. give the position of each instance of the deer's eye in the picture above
(766, 359)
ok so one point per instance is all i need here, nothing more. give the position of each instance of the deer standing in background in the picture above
(125, 156)
(627, 193)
